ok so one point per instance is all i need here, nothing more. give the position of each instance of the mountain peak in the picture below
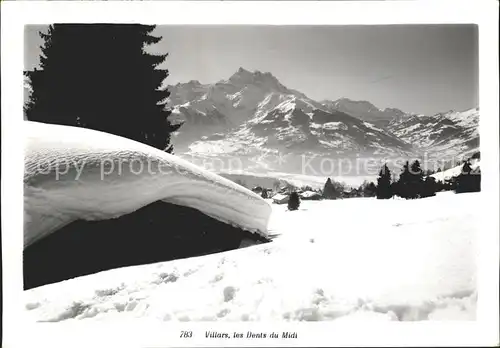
(264, 80)
(242, 72)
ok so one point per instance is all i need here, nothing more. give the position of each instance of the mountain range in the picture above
(253, 117)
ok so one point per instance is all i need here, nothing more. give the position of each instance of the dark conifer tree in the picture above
(294, 201)
(371, 190)
(476, 180)
(403, 184)
(367, 189)
(451, 183)
(394, 188)
(430, 187)
(469, 180)
(411, 181)
(361, 189)
(440, 186)
(416, 180)
(384, 183)
(99, 76)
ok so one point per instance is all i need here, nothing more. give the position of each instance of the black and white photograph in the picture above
(251, 174)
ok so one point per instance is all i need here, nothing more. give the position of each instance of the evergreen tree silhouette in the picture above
(384, 190)
(476, 180)
(451, 183)
(469, 180)
(403, 184)
(294, 201)
(411, 181)
(367, 189)
(371, 189)
(430, 187)
(329, 191)
(440, 186)
(416, 180)
(99, 76)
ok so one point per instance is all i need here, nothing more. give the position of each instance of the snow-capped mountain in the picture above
(447, 134)
(252, 114)
(211, 108)
(294, 125)
(366, 111)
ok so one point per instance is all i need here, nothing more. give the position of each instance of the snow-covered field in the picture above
(354, 259)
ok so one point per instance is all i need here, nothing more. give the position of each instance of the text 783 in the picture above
(186, 334)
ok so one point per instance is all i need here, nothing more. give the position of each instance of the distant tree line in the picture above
(413, 182)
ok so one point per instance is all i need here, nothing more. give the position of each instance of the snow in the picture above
(465, 118)
(247, 105)
(354, 259)
(267, 179)
(335, 126)
(436, 136)
(408, 130)
(316, 181)
(308, 194)
(287, 106)
(75, 173)
(280, 198)
(210, 147)
(371, 126)
(455, 171)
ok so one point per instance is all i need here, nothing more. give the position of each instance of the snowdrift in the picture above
(74, 174)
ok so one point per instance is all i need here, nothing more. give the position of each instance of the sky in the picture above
(417, 68)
